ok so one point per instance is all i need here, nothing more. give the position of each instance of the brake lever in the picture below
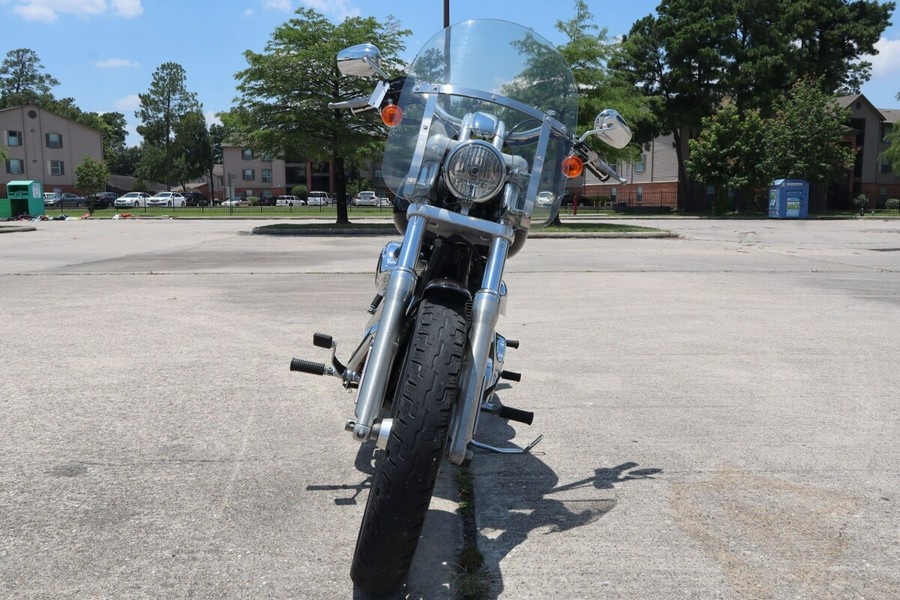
(595, 165)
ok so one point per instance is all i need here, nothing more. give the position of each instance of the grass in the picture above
(265, 212)
(473, 582)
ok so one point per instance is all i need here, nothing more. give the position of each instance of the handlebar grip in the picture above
(514, 414)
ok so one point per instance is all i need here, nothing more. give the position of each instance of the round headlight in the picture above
(475, 171)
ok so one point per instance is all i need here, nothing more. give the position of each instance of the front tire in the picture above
(406, 471)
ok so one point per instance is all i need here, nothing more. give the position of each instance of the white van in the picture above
(318, 199)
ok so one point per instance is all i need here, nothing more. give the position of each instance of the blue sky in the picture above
(104, 52)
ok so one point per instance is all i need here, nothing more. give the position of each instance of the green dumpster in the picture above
(22, 198)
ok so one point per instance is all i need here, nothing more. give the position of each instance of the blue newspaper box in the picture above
(789, 199)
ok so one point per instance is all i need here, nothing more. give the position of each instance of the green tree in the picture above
(675, 59)
(23, 81)
(588, 50)
(125, 161)
(806, 134)
(730, 154)
(91, 176)
(893, 152)
(694, 53)
(284, 93)
(193, 148)
(218, 134)
(165, 104)
(152, 166)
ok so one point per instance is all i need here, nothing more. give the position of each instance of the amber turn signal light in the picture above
(391, 115)
(572, 166)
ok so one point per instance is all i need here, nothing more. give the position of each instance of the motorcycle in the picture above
(481, 144)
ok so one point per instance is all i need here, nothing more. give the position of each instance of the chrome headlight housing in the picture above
(475, 171)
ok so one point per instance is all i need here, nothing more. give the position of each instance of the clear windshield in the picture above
(493, 67)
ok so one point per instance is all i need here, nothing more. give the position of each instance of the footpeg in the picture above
(337, 369)
(305, 366)
(514, 414)
(510, 376)
(505, 412)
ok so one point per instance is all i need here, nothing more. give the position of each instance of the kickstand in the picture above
(524, 450)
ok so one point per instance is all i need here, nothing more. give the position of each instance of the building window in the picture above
(885, 165)
(266, 175)
(57, 167)
(54, 140)
(641, 165)
(885, 132)
(247, 154)
(640, 194)
(248, 174)
(15, 166)
(266, 158)
(612, 194)
(13, 138)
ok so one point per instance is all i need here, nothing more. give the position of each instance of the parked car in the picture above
(385, 202)
(51, 198)
(236, 201)
(266, 201)
(166, 199)
(70, 200)
(365, 199)
(545, 199)
(132, 200)
(196, 199)
(318, 199)
(289, 200)
(103, 199)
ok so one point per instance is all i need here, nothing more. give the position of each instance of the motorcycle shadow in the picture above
(518, 497)
(432, 574)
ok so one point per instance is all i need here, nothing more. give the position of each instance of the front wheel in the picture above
(406, 471)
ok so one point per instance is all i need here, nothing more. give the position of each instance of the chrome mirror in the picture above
(362, 60)
(610, 127)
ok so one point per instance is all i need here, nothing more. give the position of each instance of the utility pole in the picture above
(446, 14)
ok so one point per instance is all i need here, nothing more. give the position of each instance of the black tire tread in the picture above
(406, 472)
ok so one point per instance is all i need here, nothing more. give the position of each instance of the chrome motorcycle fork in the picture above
(485, 313)
(400, 288)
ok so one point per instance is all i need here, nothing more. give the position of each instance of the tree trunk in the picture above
(340, 190)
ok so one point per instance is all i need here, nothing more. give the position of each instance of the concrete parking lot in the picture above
(720, 416)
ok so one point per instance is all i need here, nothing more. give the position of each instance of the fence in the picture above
(626, 201)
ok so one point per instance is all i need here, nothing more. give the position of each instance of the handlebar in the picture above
(389, 91)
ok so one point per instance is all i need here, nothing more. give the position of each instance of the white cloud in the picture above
(340, 9)
(211, 118)
(115, 63)
(48, 11)
(128, 103)
(128, 8)
(284, 5)
(248, 13)
(887, 61)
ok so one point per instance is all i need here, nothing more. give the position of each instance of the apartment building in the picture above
(872, 175)
(246, 172)
(43, 146)
(652, 179)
